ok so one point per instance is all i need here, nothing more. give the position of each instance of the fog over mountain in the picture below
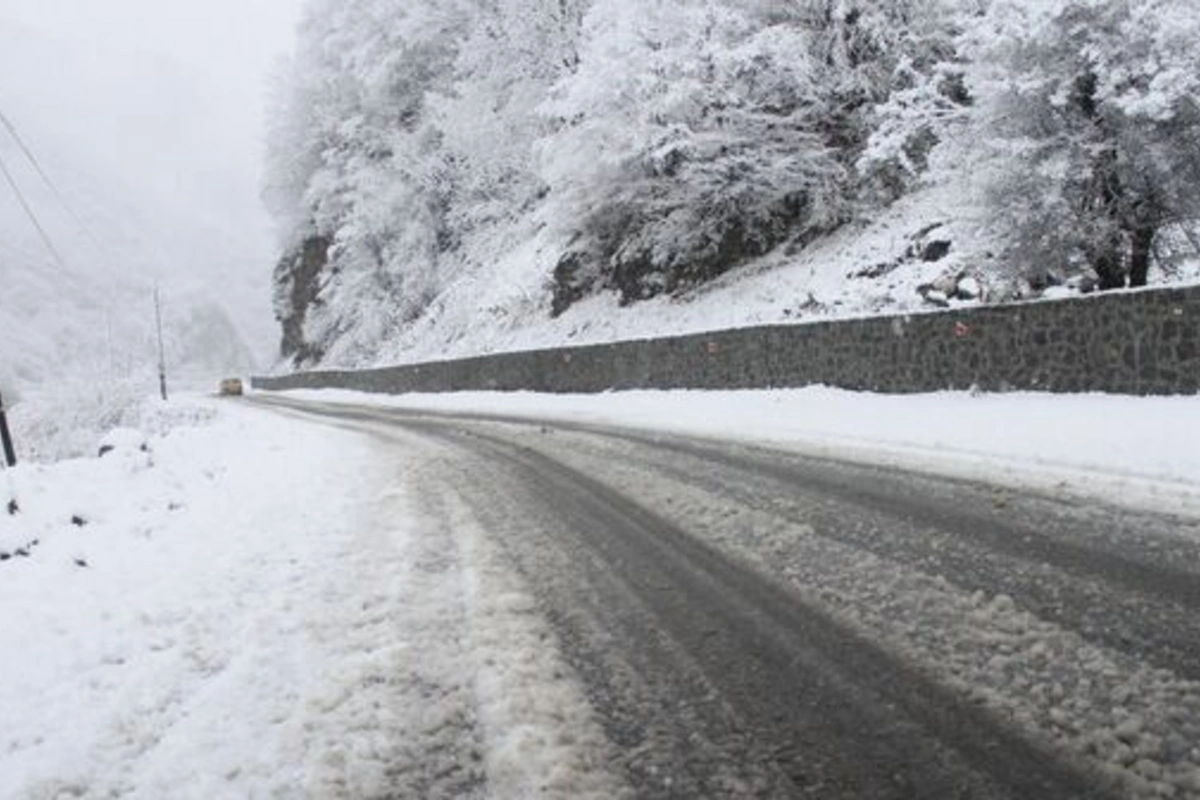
(153, 159)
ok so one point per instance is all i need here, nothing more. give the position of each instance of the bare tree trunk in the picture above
(1105, 192)
(1139, 254)
(1106, 261)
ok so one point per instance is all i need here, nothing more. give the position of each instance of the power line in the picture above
(29, 212)
(33, 160)
(12, 130)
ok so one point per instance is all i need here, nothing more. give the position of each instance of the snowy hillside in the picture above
(455, 178)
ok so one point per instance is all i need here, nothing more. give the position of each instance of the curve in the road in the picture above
(693, 654)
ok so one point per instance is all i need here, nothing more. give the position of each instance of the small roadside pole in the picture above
(10, 453)
(162, 358)
(10, 459)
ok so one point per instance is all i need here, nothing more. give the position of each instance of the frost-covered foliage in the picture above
(69, 420)
(689, 139)
(1091, 108)
(355, 161)
(921, 98)
(696, 135)
(424, 147)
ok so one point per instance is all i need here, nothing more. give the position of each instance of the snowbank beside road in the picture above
(251, 607)
(153, 642)
(1138, 451)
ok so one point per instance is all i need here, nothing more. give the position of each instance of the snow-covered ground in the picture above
(228, 603)
(246, 607)
(1138, 451)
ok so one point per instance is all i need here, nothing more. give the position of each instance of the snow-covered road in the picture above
(750, 622)
(346, 600)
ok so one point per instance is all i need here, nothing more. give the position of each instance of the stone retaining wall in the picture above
(1145, 342)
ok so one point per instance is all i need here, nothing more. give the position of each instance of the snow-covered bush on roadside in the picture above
(69, 419)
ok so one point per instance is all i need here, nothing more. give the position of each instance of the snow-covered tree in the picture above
(357, 171)
(688, 141)
(514, 52)
(1094, 103)
(902, 74)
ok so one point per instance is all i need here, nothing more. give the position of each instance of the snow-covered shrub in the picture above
(71, 418)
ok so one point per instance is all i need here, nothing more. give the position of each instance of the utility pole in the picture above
(10, 453)
(108, 338)
(162, 357)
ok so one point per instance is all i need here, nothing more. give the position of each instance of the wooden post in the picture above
(10, 453)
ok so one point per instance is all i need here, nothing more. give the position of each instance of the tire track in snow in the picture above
(538, 735)
(850, 703)
(1152, 612)
(1131, 720)
(670, 741)
(480, 702)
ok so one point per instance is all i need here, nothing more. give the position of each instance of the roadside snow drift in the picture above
(243, 606)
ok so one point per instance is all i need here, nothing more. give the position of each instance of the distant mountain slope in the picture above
(130, 220)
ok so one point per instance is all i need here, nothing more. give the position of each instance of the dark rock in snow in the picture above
(877, 270)
(20, 552)
(937, 298)
(940, 291)
(125, 440)
(574, 277)
(1084, 284)
(297, 288)
(935, 250)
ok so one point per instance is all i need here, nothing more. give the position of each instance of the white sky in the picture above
(163, 101)
(226, 47)
(228, 40)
